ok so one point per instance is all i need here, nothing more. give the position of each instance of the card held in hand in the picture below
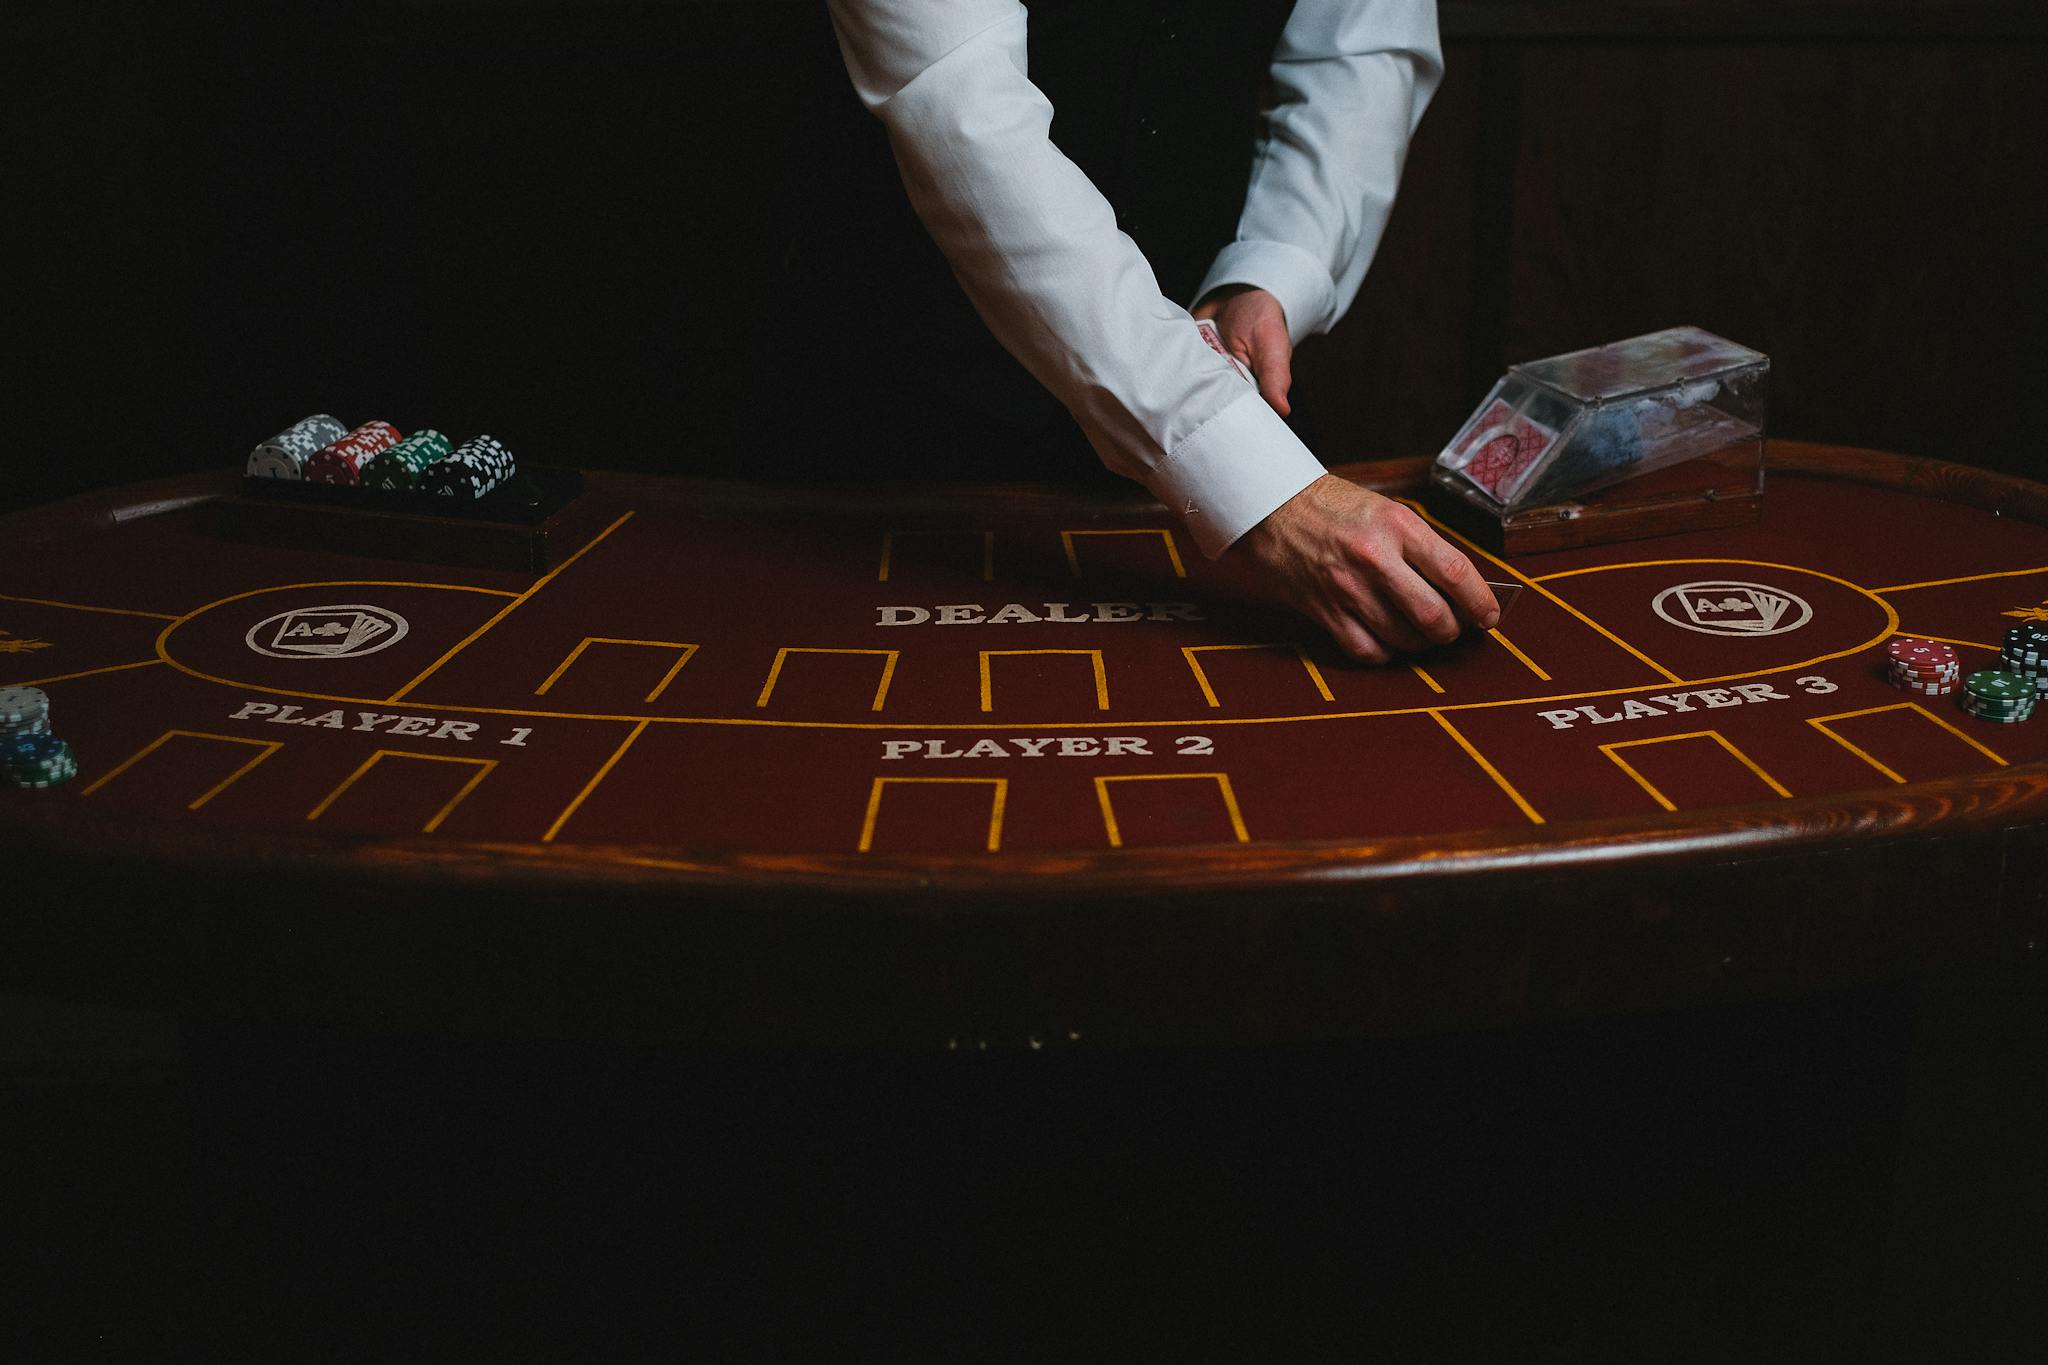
(1207, 327)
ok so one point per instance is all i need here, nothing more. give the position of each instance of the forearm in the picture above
(1351, 80)
(1036, 247)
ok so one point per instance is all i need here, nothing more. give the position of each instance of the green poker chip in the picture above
(400, 466)
(1996, 685)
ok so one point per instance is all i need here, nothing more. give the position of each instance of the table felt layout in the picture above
(714, 673)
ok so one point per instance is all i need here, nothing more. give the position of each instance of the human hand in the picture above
(1253, 326)
(1368, 570)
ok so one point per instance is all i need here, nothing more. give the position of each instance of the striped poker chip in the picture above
(1933, 681)
(400, 466)
(284, 455)
(1920, 652)
(32, 750)
(39, 761)
(342, 461)
(1995, 686)
(21, 706)
(25, 747)
(472, 470)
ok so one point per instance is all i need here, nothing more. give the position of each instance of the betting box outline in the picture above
(1669, 678)
(639, 724)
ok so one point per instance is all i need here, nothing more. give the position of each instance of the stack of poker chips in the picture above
(284, 455)
(400, 466)
(1927, 667)
(474, 469)
(1999, 696)
(30, 756)
(376, 455)
(342, 461)
(2026, 653)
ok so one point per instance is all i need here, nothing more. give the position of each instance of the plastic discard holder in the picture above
(1556, 430)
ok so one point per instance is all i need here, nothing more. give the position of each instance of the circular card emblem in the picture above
(339, 632)
(1725, 607)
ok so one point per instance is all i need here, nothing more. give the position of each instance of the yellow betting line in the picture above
(1890, 629)
(1967, 578)
(1498, 779)
(1527, 662)
(85, 673)
(510, 607)
(1536, 586)
(600, 775)
(1944, 640)
(80, 606)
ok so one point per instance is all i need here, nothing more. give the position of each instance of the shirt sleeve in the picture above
(1350, 81)
(1036, 247)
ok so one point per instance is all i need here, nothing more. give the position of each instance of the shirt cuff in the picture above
(1232, 472)
(1302, 284)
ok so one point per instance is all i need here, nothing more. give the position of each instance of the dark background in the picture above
(558, 222)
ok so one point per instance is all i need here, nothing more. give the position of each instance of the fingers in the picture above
(1451, 574)
(1271, 358)
(1254, 327)
(1370, 571)
(1420, 588)
(1263, 345)
(1386, 613)
(1422, 610)
(1353, 638)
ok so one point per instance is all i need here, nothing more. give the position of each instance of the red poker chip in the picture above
(330, 466)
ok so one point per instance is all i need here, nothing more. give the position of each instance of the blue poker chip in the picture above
(37, 761)
(30, 747)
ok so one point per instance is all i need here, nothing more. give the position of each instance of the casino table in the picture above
(1008, 768)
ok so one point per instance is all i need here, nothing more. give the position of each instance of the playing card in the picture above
(1500, 450)
(1207, 327)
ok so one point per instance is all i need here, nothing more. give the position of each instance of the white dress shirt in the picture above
(1037, 249)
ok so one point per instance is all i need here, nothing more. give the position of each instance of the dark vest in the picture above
(869, 360)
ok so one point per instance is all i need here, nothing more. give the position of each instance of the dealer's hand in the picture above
(1368, 570)
(1253, 327)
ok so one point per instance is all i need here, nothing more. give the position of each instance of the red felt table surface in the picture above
(805, 691)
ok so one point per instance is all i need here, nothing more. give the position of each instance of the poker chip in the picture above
(284, 455)
(1997, 695)
(37, 761)
(1993, 685)
(2026, 653)
(342, 461)
(400, 466)
(23, 706)
(469, 472)
(1927, 667)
